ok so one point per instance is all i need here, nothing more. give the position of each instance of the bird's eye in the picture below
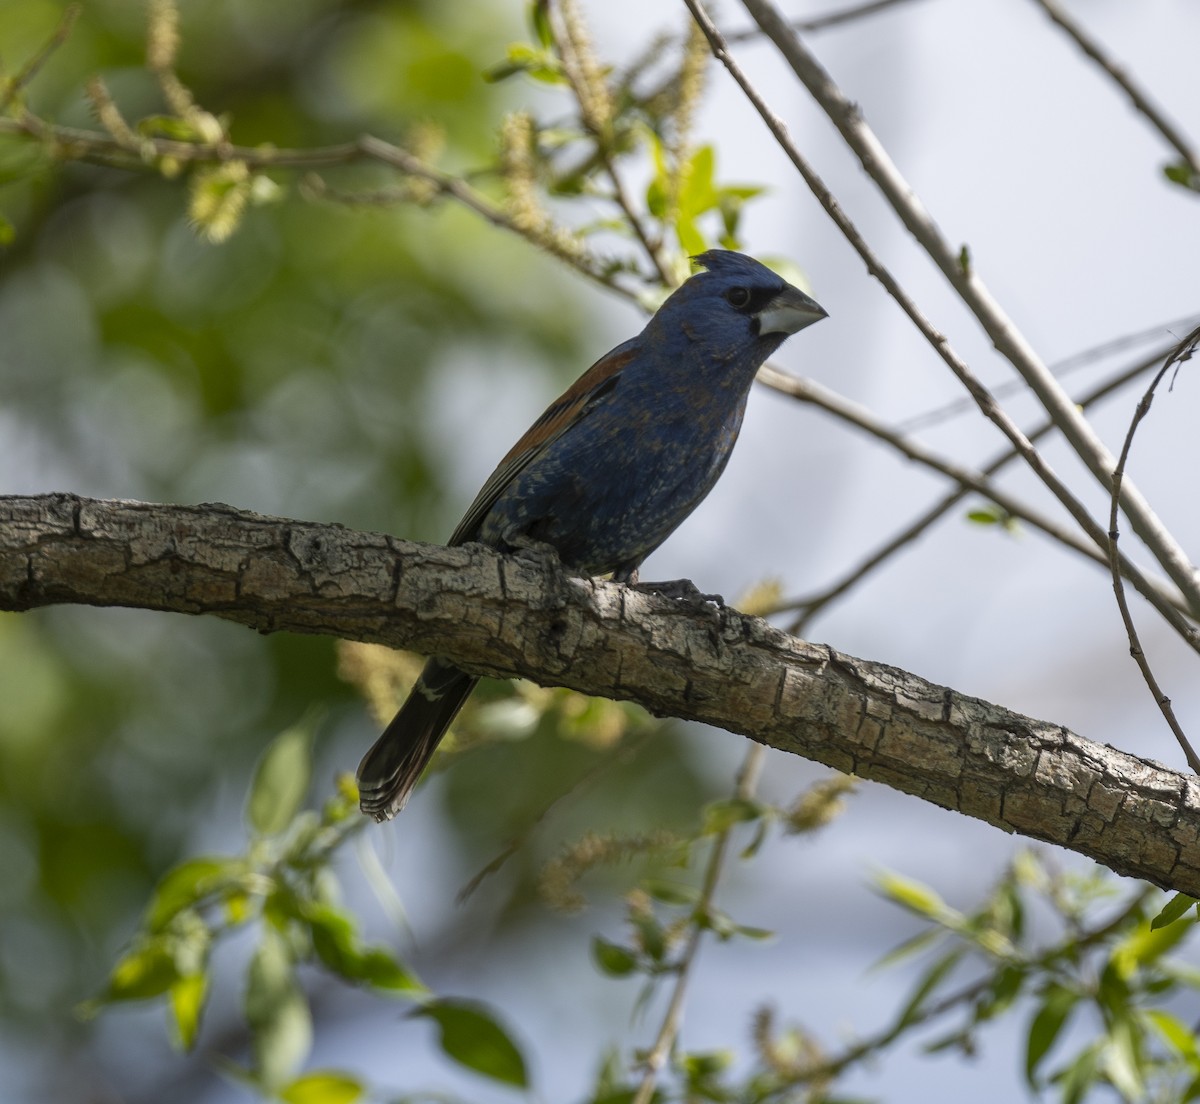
(737, 297)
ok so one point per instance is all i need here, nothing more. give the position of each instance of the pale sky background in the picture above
(1022, 150)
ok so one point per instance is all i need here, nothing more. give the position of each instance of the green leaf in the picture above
(650, 935)
(691, 240)
(719, 922)
(740, 192)
(1172, 911)
(187, 998)
(148, 970)
(474, 1039)
(913, 896)
(334, 936)
(1122, 1059)
(1008, 910)
(335, 939)
(169, 126)
(748, 932)
(760, 835)
(277, 1012)
(994, 515)
(670, 893)
(281, 780)
(1181, 173)
(1112, 993)
(960, 1039)
(1144, 945)
(523, 58)
(8, 232)
(323, 1087)
(539, 22)
(1005, 988)
(21, 159)
(1057, 1005)
(381, 970)
(908, 948)
(697, 193)
(183, 886)
(1177, 1035)
(704, 1065)
(720, 816)
(502, 71)
(659, 188)
(613, 959)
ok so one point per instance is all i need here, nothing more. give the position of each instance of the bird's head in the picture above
(737, 302)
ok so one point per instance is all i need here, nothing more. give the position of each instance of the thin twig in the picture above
(823, 22)
(657, 47)
(1008, 340)
(939, 342)
(96, 147)
(668, 1032)
(33, 66)
(812, 392)
(1183, 351)
(1140, 100)
(1061, 369)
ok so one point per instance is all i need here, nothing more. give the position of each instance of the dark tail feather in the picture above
(389, 771)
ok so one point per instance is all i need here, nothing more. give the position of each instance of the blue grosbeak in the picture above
(611, 468)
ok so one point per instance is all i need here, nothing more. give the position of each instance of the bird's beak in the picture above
(789, 312)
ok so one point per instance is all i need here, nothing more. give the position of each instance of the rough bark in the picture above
(508, 616)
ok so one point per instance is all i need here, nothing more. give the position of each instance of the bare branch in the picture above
(510, 617)
(1061, 369)
(10, 89)
(830, 19)
(1140, 100)
(95, 147)
(1183, 351)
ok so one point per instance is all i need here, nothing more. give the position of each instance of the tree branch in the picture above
(507, 616)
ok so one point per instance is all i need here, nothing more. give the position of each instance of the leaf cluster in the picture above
(285, 889)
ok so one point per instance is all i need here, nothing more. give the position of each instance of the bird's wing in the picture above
(574, 404)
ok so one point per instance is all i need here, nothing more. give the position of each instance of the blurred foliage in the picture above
(190, 312)
(300, 367)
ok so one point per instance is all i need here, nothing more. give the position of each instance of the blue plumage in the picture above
(611, 468)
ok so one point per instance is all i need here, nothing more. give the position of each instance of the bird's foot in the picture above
(682, 590)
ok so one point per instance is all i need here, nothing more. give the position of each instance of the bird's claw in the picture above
(682, 590)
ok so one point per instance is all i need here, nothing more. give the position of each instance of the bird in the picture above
(610, 470)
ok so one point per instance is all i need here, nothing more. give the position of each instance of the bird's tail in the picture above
(389, 771)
